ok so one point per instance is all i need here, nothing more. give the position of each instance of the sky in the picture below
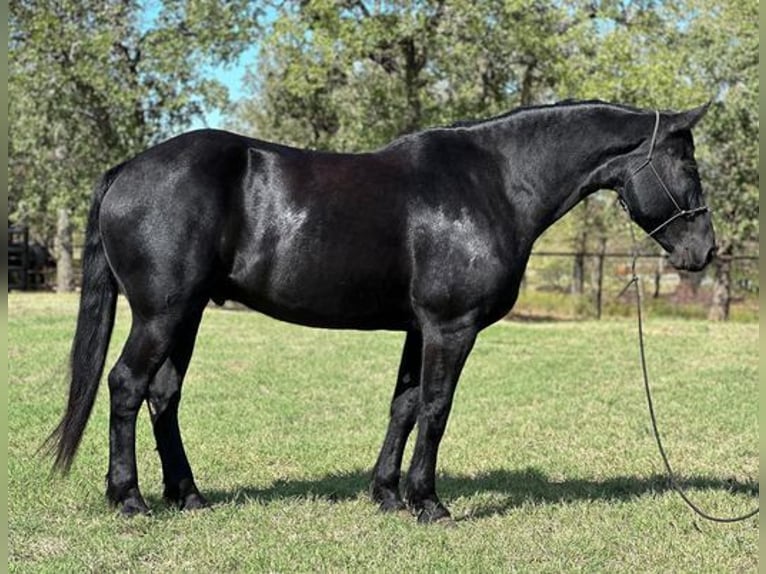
(232, 76)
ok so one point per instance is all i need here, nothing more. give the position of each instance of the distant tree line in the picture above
(111, 77)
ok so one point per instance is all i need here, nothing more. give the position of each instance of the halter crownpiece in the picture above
(648, 162)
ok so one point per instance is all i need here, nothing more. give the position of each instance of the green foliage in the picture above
(726, 40)
(353, 75)
(548, 462)
(92, 83)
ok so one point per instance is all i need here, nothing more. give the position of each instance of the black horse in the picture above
(429, 235)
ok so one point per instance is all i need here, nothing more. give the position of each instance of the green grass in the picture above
(548, 463)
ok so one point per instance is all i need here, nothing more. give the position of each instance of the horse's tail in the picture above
(95, 320)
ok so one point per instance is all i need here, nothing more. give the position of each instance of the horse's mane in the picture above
(569, 102)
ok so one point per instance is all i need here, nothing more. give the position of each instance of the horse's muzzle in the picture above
(689, 259)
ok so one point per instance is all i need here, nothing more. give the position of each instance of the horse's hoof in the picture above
(435, 513)
(193, 501)
(392, 506)
(129, 501)
(388, 499)
(134, 507)
(185, 496)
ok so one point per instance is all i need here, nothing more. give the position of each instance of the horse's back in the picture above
(308, 237)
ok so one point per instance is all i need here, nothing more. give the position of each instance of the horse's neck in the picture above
(556, 157)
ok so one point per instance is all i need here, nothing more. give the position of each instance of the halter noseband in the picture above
(648, 162)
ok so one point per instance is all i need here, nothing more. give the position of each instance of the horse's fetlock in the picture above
(117, 493)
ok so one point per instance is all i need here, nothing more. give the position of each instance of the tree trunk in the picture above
(581, 246)
(527, 84)
(412, 85)
(64, 267)
(719, 306)
(578, 274)
(658, 276)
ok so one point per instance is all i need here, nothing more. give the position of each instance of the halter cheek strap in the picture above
(648, 162)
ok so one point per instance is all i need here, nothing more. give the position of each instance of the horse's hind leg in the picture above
(163, 401)
(404, 411)
(145, 350)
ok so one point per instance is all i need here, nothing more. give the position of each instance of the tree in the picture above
(725, 39)
(94, 82)
(352, 74)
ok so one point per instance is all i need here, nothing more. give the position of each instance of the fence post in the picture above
(658, 276)
(600, 276)
(25, 260)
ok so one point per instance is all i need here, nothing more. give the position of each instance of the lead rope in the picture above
(671, 475)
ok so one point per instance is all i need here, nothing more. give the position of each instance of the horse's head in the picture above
(663, 194)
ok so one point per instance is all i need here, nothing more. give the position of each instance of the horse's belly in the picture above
(328, 292)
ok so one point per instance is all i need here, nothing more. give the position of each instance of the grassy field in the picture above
(548, 463)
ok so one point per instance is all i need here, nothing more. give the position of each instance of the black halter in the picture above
(648, 162)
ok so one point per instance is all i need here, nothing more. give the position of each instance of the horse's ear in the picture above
(688, 119)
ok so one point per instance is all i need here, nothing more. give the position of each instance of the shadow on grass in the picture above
(516, 487)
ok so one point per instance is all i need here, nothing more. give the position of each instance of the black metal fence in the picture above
(30, 265)
(550, 282)
(18, 258)
(589, 283)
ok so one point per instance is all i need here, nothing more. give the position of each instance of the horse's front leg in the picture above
(445, 350)
(404, 411)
